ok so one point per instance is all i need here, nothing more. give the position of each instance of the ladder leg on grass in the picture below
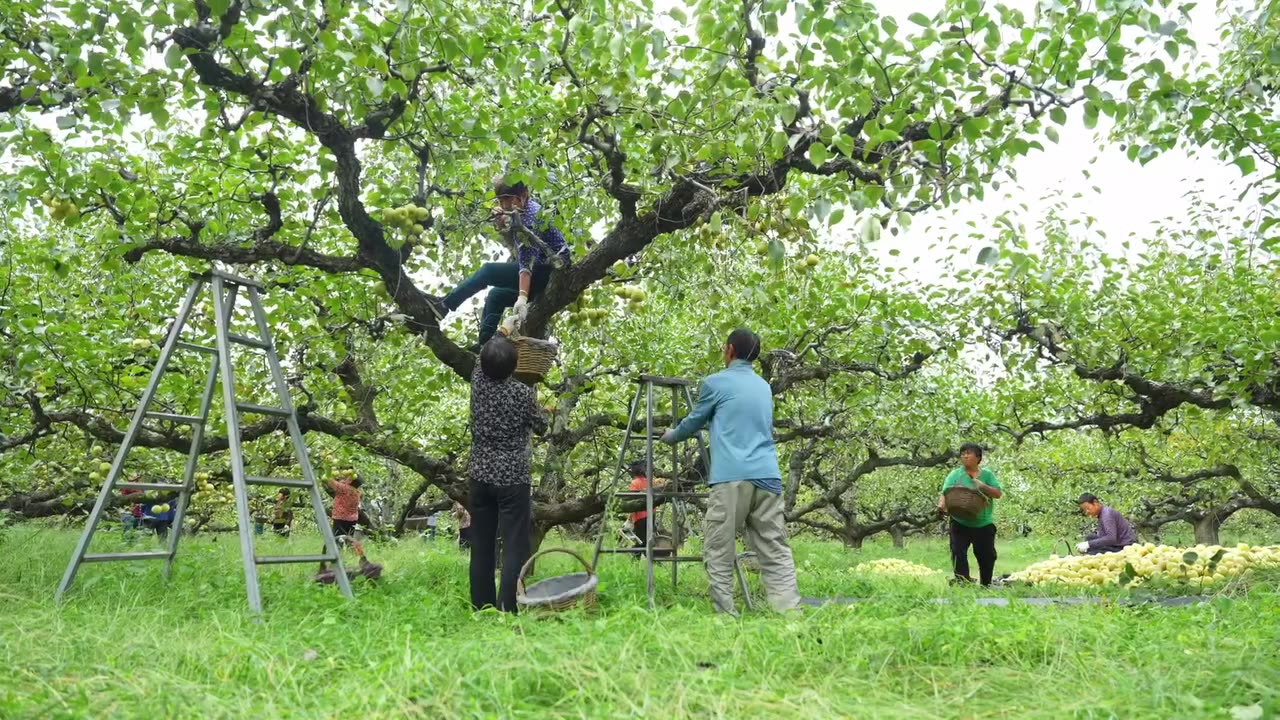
(225, 288)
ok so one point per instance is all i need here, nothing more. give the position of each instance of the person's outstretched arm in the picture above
(702, 413)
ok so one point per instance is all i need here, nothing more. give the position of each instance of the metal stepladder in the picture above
(225, 290)
(675, 496)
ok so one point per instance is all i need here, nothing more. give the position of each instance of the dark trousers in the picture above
(503, 281)
(464, 537)
(983, 540)
(1104, 549)
(641, 529)
(495, 508)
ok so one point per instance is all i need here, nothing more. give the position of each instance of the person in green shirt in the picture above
(979, 531)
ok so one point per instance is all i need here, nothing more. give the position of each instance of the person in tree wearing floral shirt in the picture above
(511, 284)
(504, 412)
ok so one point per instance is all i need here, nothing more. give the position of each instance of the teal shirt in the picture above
(738, 405)
(960, 477)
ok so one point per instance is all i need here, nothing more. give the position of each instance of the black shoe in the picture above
(438, 308)
(957, 580)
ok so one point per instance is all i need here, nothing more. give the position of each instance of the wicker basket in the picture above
(535, 356)
(964, 503)
(561, 592)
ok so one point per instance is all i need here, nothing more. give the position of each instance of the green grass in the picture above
(128, 644)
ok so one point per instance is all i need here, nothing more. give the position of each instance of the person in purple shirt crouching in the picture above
(1114, 532)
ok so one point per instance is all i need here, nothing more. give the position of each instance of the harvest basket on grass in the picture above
(964, 503)
(561, 592)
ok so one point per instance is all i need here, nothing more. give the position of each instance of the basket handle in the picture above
(524, 569)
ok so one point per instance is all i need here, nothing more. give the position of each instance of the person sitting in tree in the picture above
(979, 531)
(1114, 532)
(511, 284)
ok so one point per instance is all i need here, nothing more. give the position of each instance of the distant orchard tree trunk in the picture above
(853, 542)
(1206, 528)
(899, 537)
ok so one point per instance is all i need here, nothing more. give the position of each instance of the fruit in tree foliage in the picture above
(812, 260)
(104, 467)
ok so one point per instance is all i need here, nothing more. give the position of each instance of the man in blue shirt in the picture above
(746, 486)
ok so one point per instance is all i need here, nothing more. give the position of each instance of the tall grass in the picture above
(129, 644)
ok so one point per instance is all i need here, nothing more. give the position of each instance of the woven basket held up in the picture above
(561, 592)
(964, 503)
(535, 356)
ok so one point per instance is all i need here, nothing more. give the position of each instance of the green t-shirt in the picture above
(961, 478)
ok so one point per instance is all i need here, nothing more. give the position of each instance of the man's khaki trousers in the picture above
(741, 507)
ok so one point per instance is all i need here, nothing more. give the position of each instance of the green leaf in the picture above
(1246, 163)
(1058, 115)
(920, 19)
(818, 154)
(988, 256)
(173, 58)
(290, 58)
(1190, 557)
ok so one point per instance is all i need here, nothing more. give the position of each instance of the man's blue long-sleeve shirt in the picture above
(738, 405)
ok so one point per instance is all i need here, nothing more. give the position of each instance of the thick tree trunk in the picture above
(854, 542)
(899, 537)
(1206, 528)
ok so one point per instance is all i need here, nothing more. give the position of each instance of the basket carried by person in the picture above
(561, 592)
(535, 356)
(964, 503)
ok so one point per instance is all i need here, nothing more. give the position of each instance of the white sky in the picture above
(1133, 198)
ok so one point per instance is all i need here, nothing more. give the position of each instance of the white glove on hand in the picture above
(521, 308)
(668, 437)
(509, 326)
(1082, 547)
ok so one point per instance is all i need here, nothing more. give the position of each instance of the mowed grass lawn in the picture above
(128, 644)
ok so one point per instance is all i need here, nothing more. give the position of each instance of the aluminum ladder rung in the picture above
(661, 381)
(278, 482)
(148, 486)
(249, 341)
(229, 277)
(108, 557)
(659, 493)
(283, 559)
(185, 419)
(263, 410)
(183, 345)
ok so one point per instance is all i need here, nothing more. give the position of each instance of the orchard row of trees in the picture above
(701, 155)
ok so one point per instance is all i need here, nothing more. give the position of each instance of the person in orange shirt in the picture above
(639, 481)
(346, 510)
